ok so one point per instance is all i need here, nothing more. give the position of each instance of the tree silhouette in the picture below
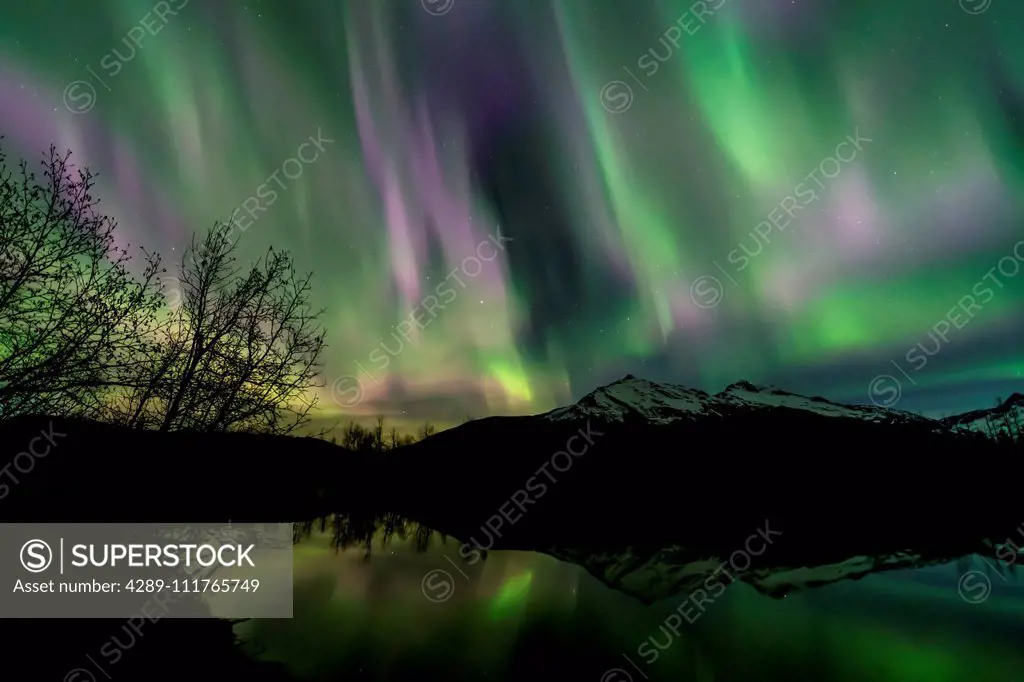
(378, 435)
(355, 437)
(1002, 424)
(241, 352)
(376, 438)
(73, 319)
(82, 333)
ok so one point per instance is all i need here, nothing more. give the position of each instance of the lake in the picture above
(417, 615)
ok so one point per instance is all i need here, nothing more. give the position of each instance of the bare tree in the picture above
(1015, 426)
(378, 435)
(353, 436)
(241, 352)
(73, 318)
(991, 428)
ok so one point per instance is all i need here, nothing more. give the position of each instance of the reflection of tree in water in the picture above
(263, 535)
(353, 530)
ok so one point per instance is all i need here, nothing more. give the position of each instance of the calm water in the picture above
(521, 616)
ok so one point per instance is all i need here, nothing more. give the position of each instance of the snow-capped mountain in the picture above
(1006, 420)
(631, 398)
(652, 486)
(657, 403)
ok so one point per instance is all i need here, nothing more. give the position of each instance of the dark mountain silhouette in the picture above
(670, 467)
(659, 471)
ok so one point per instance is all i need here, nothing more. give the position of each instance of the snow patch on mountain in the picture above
(746, 394)
(666, 403)
(657, 403)
(1005, 420)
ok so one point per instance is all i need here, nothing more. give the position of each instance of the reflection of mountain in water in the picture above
(654, 574)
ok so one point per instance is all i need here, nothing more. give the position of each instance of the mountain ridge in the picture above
(660, 403)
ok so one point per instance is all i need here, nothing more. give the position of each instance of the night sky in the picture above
(541, 196)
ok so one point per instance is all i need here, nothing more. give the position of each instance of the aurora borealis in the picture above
(452, 122)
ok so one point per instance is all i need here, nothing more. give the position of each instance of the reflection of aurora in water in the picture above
(900, 627)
